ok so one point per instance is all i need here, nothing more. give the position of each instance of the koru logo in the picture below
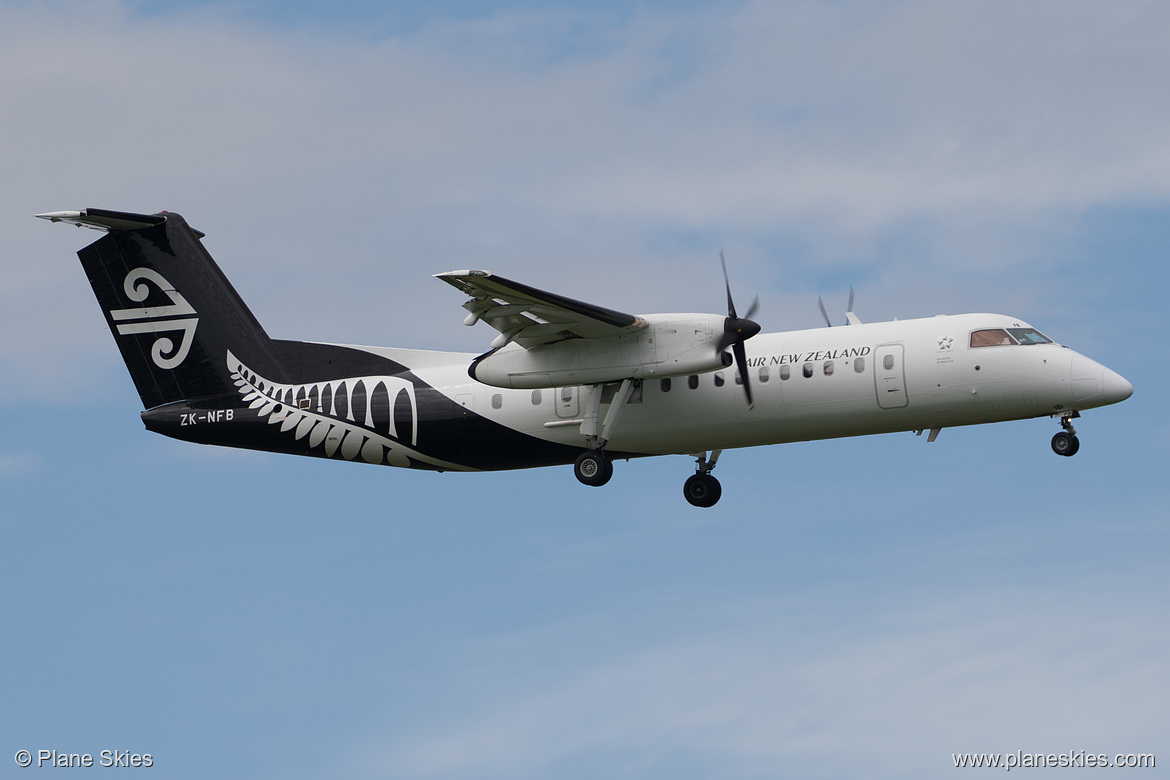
(157, 319)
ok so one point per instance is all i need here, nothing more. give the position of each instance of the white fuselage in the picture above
(810, 384)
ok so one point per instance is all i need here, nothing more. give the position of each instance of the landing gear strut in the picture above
(1066, 442)
(593, 466)
(701, 489)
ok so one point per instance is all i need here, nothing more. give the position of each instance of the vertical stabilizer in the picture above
(172, 312)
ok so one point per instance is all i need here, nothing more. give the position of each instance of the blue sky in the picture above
(850, 608)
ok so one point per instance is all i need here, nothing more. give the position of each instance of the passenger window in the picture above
(992, 337)
(497, 401)
(664, 385)
(566, 394)
(859, 365)
(536, 398)
(888, 362)
(807, 368)
(738, 378)
(719, 379)
(828, 368)
(693, 381)
(785, 372)
(763, 374)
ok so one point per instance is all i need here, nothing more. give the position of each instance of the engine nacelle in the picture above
(668, 345)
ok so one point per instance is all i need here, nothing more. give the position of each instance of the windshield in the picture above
(997, 337)
(1029, 336)
(991, 337)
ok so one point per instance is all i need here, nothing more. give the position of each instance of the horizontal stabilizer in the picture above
(106, 220)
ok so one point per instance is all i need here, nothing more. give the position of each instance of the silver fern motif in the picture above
(352, 417)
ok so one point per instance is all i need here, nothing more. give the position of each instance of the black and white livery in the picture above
(563, 382)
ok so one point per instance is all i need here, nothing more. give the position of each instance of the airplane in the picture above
(563, 382)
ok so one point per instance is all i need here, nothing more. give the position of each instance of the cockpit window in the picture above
(1029, 336)
(993, 337)
(996, 337)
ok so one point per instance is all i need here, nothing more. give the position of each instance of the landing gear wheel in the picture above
(1065, 443)
(702, 490)
(593, 468)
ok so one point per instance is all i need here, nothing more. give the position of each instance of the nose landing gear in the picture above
(1066, 442)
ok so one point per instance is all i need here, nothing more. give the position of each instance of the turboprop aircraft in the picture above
(563, 381)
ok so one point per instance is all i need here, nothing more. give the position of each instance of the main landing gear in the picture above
(593, 466)
(1066, 442)
(701, 489)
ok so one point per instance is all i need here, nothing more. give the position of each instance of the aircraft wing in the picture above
(532, 317)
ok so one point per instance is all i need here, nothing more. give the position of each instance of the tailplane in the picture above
(172, 312)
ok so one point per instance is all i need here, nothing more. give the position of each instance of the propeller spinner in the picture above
(737, 330)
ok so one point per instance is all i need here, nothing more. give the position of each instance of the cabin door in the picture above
(889, 376)
(568, 400)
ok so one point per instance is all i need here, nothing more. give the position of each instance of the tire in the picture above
(1066, 444)
(702, 490)
(593, 468)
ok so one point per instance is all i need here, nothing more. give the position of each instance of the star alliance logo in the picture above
(944, 344)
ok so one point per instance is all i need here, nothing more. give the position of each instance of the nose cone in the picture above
(1115, 387)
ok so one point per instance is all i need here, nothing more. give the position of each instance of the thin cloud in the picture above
(13, 466)
(339, 171)
(778, 114)
(992, 672)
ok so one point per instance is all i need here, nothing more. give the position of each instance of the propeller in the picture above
(737, 330)
(825, 314)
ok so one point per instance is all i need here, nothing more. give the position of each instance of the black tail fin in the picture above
(172, 311)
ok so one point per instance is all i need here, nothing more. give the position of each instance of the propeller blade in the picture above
(741, 365)
(850, 307)
(825, 314)
(755, 307)
(737, 330)
(727, 283)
